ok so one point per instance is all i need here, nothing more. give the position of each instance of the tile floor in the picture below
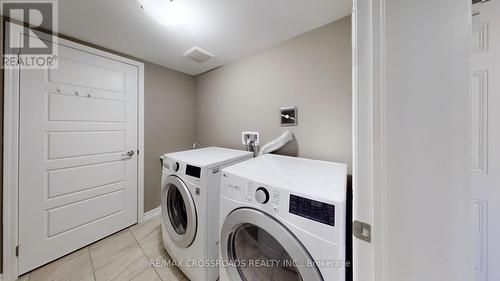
(123, 256)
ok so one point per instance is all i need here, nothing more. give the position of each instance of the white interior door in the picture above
(485, 103)
(75, 185)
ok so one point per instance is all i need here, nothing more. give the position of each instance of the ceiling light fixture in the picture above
(166, 12)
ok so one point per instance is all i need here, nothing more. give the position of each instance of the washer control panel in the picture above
(193, 171)
(175, 166)
(180, 168)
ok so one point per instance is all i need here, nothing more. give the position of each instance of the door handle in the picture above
(128, 155)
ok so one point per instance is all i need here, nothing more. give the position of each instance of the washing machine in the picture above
(283, 219)
(190, 207)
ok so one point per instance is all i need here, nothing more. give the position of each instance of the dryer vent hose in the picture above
(276, 144)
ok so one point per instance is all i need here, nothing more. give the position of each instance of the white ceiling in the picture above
(230, 29)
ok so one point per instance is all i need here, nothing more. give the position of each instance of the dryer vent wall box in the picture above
(288, 116)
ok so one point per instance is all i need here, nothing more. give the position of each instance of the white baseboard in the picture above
(152, 213)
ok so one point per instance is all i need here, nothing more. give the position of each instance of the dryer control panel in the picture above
(312, 209)
(257, 193)
(309, 213)
(252, 192)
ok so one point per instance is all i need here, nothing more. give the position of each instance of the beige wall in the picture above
(311, 71)
(169, 123)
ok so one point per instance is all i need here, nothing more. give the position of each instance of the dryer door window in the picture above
(265, 257)
(258, 247)
(179, 212)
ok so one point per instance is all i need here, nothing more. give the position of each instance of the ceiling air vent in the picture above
(198, 54)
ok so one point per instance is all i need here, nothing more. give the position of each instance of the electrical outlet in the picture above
(250, 136)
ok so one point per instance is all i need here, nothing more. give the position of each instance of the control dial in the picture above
(262, 195)
(176, 166)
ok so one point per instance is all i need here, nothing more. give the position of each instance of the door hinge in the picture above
(362, 231)
(17, 251)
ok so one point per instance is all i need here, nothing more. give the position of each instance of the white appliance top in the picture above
(209, 156)
(317, 179)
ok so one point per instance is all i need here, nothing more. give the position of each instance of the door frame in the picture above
(369, 167)
(11, 153)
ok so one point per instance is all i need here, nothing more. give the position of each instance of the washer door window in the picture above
(258, 247)
(179, 212)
